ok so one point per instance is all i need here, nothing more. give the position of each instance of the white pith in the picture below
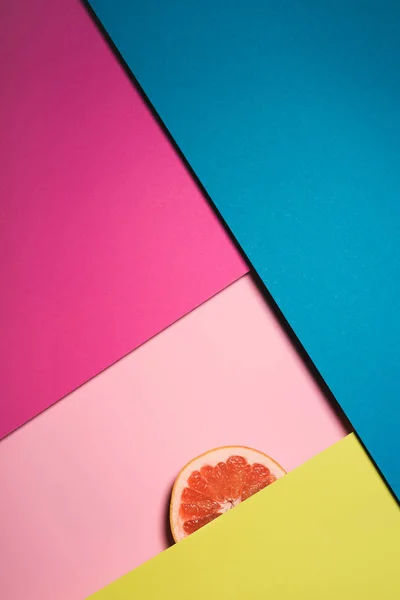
(212, 458)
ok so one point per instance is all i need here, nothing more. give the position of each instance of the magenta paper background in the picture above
(84, 488)
(104, 238)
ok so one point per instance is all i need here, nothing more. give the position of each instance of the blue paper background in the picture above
(289, 114)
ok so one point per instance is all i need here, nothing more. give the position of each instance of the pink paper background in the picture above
(84, 488)
(104, 238)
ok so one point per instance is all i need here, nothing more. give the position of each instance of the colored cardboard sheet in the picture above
(85, 487)
(330, 529)
(104, 238)
(288, 112)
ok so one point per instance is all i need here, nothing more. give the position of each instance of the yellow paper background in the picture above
(330, 530)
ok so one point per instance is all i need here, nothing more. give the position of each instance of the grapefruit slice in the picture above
(215, 482)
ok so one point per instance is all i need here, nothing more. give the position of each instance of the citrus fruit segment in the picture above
(215, 482)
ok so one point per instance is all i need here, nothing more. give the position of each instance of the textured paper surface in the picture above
(328, 530)
(288, 112)
(85, 487)
(104, 238)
